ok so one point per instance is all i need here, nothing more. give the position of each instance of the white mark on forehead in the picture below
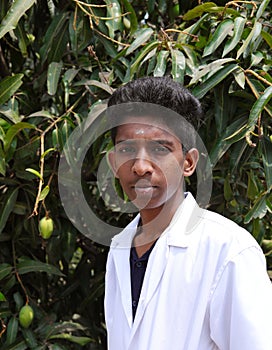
(139, 132)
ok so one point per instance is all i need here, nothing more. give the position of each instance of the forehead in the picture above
(144, 127)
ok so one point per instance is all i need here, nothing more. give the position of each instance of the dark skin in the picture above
(150, 164)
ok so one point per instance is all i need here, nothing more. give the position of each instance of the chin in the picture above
(142, 205)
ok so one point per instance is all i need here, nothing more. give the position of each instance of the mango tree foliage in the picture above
(58, 60)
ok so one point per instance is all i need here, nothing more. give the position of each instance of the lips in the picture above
(144, 187)
(143, 184)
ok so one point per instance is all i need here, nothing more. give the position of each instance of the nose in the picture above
(142, 166)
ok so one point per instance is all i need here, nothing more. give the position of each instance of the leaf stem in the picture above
(42, 137)
(17, 274)
(258, 76)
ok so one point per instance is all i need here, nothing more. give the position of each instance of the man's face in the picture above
(149, 162)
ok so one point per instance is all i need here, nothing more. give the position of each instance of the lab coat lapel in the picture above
(155, 269)
(121, 260)
(120, 248)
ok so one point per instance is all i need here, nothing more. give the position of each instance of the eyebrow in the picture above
(159, 141)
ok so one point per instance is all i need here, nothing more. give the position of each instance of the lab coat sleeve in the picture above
(241, 304)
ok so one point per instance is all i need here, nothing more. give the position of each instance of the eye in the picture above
(160, 149)
(125, 149)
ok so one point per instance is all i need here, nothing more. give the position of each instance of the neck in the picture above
(156, 220)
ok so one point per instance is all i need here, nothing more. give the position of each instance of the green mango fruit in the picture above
(46, 227)
(26, 316)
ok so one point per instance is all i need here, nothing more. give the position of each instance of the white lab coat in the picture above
(205, 288)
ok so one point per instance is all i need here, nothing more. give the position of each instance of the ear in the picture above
(112, 162)
(190, 162)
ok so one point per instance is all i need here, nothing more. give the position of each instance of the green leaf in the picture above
(192, 56)
(208, 68)
(7, 208)
(55, 30)
(70, 74)
(142, 36)
(151, 59)
(151, 56)
(42, 113)
(209, 7)
(113, 12)
(239, 24)
(13, 131)
(198, 11)
(148, 48)
(27, 265)
(109, 47)
(193, 29)
(18, 345)
(2, 161)
(20, 208)
(227, 189)
(78, 340)
(57, 141)
(59, 45)
(19, 301)
(5, 270)
(258, 107)
(97, 83)
(66, 326)
(34, 172)
(178, 65)
(22, 38)
(11, 110)
(65, 130)
(269, 205)
(53, 75)
(201, 90)
(44, 193)
(255, 32)
(238, 150)
(267, 37)
(12, 330)
(54, 347)
(224, 142)
(252, 188)
(16, 11)
(11, 282)
(218, 37)
(52, 149)
(221, 108)
(161, 63)
(261, 9)
(30, 338)
(256, 58)
(2, 297)
(267, 161)
(8, 86)
(132, 15)
(258, 210)
(239, 76)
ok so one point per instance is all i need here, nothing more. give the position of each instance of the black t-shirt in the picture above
(137, 272)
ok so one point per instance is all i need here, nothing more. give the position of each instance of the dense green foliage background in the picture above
(58, 59)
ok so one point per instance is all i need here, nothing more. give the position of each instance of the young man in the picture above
(178, 277)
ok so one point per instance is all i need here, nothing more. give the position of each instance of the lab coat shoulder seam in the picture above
(228, 260)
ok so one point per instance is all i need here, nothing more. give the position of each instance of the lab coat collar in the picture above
(124, 238)
(184, 223)
(179, 232)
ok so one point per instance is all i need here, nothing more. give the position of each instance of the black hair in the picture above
(162, 91)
